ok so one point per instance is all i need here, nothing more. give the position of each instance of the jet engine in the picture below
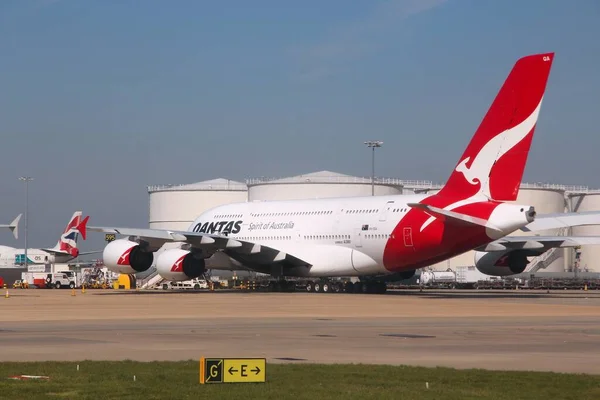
(126, 257)
(180, 265)
(502, 263)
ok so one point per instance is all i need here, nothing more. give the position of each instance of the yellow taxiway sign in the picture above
(232, 370)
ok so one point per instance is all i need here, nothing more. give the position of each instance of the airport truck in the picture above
(61, 280)
(189, 284)
(439, 279)
(464, 277)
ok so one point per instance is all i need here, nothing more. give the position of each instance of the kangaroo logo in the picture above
(479, 171)
(124, 259)
(178, 266)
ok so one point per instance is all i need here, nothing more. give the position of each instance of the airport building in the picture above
(176, 206)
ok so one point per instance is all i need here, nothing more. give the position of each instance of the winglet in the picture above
(82, 227)
(14, 226)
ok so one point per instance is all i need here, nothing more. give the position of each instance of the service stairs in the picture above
(151, 281)
(546, 259)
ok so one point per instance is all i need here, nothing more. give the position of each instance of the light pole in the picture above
(373, 144)
(26, 179)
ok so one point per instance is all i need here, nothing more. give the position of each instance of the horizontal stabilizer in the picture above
(563, 220)
(13, 226)
(55, 251)
(452, 217)
(90, 252)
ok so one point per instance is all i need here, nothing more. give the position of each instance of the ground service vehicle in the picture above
(189, 284)
(61, 280)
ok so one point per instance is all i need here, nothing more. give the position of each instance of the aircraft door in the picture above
(385, 210)
(407, 235)
(358, 238)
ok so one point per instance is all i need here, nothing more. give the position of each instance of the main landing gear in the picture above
(366, 287)
(370, 286)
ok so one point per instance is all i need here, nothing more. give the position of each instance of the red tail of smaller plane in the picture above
(494, 161)
(67, 244)
(82, 226)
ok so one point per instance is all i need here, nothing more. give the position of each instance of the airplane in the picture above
(378, 237)
(13, 226)
(64, 250)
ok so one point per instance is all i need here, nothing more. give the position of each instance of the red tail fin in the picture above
(82, 227)
(494, 161)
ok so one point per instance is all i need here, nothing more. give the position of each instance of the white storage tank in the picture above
(319, 185)
(590, 255)
(420, 187)
(176, 206)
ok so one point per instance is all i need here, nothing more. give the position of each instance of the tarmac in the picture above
(500, 330)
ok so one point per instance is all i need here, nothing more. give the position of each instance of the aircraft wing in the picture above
(246, 252)
(541, 243)
(90, 252)
(54, 251)
(14, 226)
(563, 220)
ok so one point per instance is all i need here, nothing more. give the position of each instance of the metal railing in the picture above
(341, 179)
(151, 281)
(406, 183)
(199, 186)
(554, 186)
(545, 259)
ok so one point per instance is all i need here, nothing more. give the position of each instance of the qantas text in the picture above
(224, 227)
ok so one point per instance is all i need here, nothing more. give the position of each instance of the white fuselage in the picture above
(11, 257)
(303, 227)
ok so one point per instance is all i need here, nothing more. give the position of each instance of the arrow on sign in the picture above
(255, 370)
(231, 370)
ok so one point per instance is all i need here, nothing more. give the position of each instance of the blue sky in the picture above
(99, 99)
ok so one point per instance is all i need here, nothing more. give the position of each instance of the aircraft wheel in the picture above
(318, 287)
(326, 287)
(310, 287)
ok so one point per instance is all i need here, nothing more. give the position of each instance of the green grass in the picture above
(179, 380)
